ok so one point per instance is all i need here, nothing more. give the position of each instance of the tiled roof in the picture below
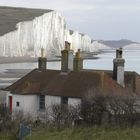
(73, 84)
(132, 81)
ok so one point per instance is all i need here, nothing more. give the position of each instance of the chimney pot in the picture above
(67, 45)
(119, 53)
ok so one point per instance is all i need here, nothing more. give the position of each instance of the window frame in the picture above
(17, 104)
(41, 102)
(64, 100)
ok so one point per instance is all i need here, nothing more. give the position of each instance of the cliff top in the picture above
(10, 16)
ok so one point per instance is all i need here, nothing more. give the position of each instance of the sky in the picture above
(100, 19)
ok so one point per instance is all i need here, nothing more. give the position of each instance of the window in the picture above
(17, 104)
(64, 100)
(41, 102)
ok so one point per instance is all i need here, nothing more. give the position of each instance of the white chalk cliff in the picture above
(48, 31)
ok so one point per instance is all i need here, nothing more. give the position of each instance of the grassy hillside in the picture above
(10, 16)
(88, 134)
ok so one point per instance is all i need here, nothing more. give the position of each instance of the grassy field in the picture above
(88, 134)
(7, 136)
(81, 134)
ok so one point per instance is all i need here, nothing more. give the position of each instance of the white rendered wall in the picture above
(49, 102)
(28, 105)
(74, 101)
(7, 98)
(52, 100)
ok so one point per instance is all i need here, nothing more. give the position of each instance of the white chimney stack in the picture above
(118, 68)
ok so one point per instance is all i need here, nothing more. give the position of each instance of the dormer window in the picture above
(42, 102)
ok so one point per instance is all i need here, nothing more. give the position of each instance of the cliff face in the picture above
(48, 31)
(78, 40)
(45, 31)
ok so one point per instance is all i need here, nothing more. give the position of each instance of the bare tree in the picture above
(118, 109)
(63, 115)
(93, 107)
(124, 109)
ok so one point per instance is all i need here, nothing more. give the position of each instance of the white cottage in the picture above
(42, 87)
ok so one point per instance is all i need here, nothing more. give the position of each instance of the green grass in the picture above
(87, 134)
(7, 136)
(99, 133)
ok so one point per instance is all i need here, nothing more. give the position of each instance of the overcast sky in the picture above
(100, 19)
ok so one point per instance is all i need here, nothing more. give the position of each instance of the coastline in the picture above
(7, 60)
